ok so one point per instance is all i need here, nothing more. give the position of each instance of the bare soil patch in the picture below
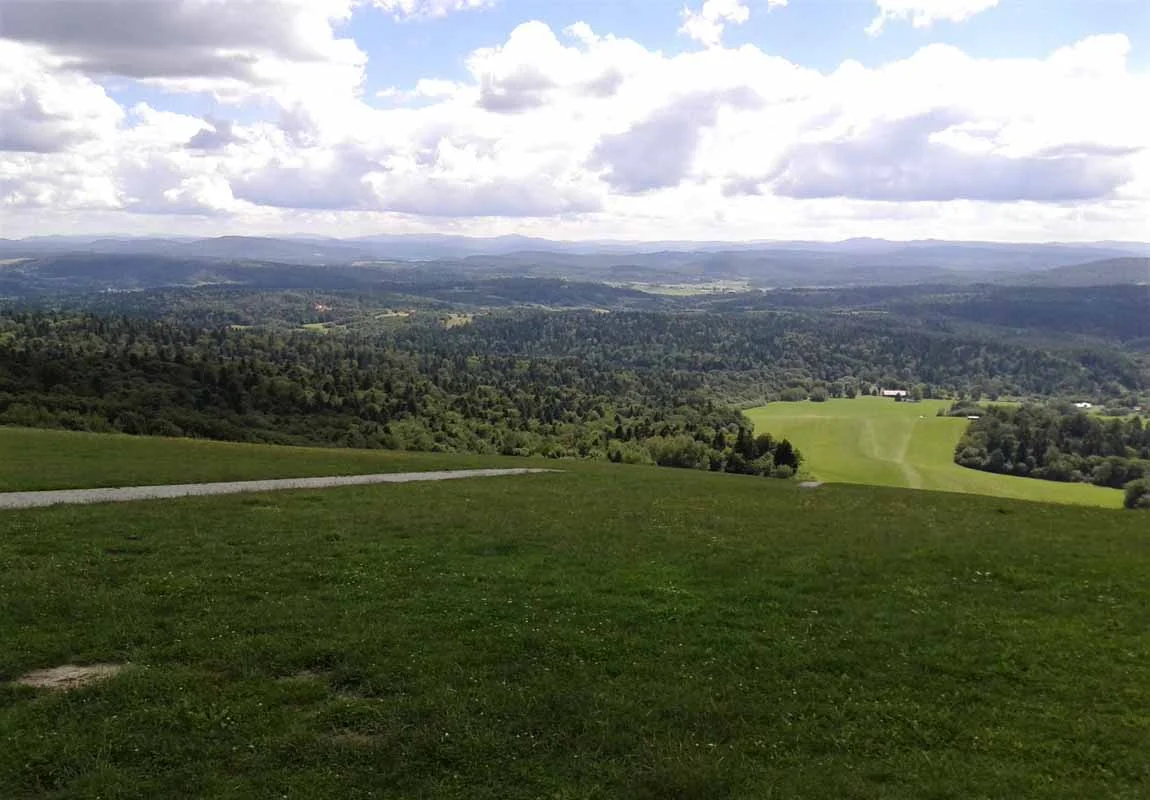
(354, 739)
(304, 676)
(69, 676)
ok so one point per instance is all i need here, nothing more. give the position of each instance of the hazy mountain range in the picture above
(62, 263)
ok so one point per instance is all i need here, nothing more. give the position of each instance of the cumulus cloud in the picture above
(522, 90)
(533, 67)
(567, 132)
(217, 133)
(43, 110)
(56, 188)
(707, 24)
(407, 9)
(315, 179)
(898, 160)
(924, 13)
(657, 152)
(209, 195)
(201, 45)
(520, 196)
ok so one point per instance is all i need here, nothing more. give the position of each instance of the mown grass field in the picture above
(883, 443)
(608, 632)
(33, 459)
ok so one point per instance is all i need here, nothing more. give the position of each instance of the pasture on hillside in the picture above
(32, 459)
(879, 442)
(605, 632)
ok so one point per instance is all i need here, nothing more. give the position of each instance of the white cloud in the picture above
(906, 160)
(407, 9)
(924, 13)
(533, 69)
(201, 194)
(572, 133)
(43, 109)
(215, 134)
(497, 196)
(710, 21)
(707, 24)
(659, 151)
(231, 48)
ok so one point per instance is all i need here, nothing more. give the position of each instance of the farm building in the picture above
(1084, 405)
(895, 393)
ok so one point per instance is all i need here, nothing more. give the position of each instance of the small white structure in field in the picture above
(973, 416)
(1084, 405)
(896, 393)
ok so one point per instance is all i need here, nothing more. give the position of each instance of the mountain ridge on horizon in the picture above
(300, 236)
(419, 246)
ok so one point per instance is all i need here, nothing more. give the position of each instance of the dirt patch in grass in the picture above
(354, 739)
(304, 676)
(69, 676)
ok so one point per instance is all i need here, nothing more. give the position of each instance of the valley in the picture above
(504, 400)
(661, 609)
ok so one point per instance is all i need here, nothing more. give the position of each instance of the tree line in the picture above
(1057, 443)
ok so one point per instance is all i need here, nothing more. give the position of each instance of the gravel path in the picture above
(130, 493)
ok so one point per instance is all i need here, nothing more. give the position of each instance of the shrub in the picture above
(629, 453)
(1138, 493)
(678, 451)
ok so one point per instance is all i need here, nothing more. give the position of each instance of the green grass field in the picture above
(883, 443)
(608, 632)
(33, 459)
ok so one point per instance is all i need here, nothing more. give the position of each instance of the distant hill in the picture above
(1107, 272)
(767, 263)
(104, 273)
(223, 248)
(96, 272)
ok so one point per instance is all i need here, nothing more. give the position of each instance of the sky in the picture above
(989, 120)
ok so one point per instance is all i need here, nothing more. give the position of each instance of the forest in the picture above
(305, 366)
(1057, 443)
(419, 388)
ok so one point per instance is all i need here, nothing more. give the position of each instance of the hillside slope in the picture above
(881, 443)
(1107, 272)
(607, 631)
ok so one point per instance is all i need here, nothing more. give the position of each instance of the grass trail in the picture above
(889, 446)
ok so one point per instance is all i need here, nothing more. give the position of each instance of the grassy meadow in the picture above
(880, 442)
(32, 459)
(606, 632)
